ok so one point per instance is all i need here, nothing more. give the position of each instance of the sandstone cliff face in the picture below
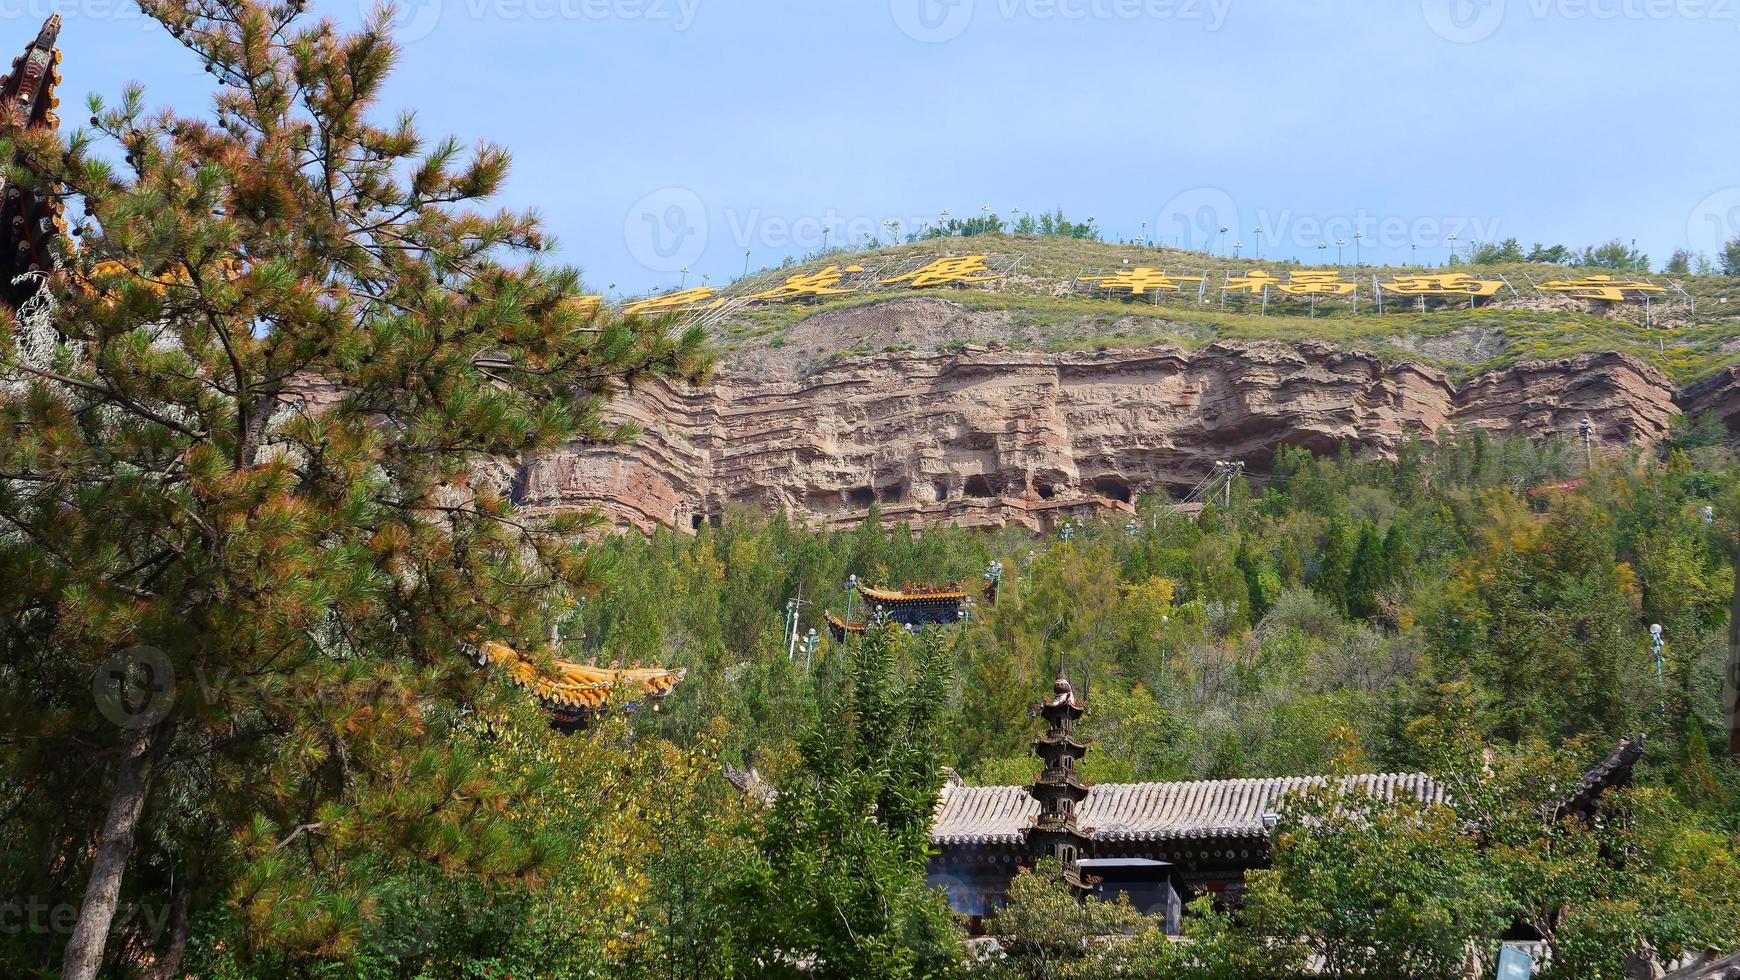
(987, 437)
(1719, 395)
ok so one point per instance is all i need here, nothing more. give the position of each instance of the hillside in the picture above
(1693, 330)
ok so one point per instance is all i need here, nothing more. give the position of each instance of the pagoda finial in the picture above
(46, 37)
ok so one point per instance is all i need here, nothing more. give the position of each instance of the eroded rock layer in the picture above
(988, 437)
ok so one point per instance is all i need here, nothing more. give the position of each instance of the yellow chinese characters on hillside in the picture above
(1318, 284)
(1604, 288)
(1296, 284)
(1139, 281)
(1255, 282)
(1447, 284)
(809, 285)
(958, 270)
(681, 301)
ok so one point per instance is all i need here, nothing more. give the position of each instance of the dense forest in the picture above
(1422, 613)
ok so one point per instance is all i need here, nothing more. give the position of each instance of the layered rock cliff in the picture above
(986, 437)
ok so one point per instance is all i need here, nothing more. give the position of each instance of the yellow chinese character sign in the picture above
(809, 285)
(1604, 288)
(957, 271)
(1254, 283)
(1318, 284)
(1448, 284)
(682, 301)
(1138, 281)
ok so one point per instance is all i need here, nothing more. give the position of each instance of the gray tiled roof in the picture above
(1148, 811)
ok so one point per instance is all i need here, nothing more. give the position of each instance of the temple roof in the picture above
(580, 687)
(913, 593)
(1150, 811)
(840, 624)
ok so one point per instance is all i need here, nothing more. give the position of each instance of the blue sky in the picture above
(655, 135)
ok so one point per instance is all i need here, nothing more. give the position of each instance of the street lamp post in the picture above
(1452, 248)
(811, 641)
(1340, 243)
(1258, 231)
(1356, 259)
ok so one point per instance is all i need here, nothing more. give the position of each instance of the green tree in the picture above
(240, 437)
(1730, 258)
(1367, 574)
(837, 885)
(1375, 888)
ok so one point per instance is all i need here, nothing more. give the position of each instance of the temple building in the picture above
(576, 694)
(30, 220)
(910, 606)
(1163, 844)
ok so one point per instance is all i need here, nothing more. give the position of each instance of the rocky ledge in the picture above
(991, 437)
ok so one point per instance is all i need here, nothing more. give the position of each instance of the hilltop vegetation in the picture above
(1038, 307)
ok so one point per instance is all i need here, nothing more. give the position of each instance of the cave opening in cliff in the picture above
(861, 496)
(979, 486)
(1112, 488)
(892, 494)
(1046, 490)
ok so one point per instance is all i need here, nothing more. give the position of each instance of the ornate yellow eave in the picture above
(896, 595)
(580, 687)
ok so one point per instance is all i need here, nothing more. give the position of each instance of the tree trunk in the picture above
(170, 963)
(84, 952)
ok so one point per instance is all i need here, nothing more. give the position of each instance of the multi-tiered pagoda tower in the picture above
(30, 221)
(1059, 791)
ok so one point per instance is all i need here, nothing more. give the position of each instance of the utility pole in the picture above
(793, 609)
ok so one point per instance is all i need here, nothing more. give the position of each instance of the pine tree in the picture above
(240, 440)
(838, 887)
(1367, 574)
